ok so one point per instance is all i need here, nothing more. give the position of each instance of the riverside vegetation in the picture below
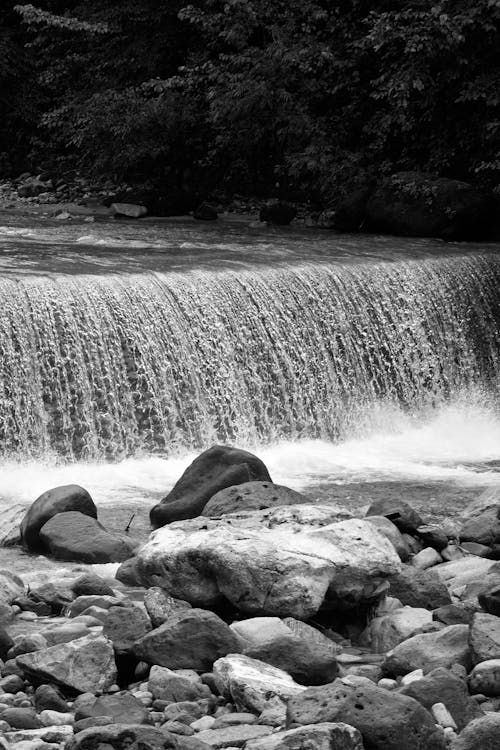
(253, 617)
(301, 101)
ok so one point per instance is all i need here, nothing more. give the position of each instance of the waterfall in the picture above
(108, 366)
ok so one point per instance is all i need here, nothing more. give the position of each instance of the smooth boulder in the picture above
(427, 651)
(69, 497)
(213, 470)
(251, 496)
(73, 536)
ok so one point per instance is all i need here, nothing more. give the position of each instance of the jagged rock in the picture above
(428, 651)
(213, 470)
(251, 496)
(468, 576)
(11, 587)
(325, 736)
(392, 533)
(124, 626)
(480, 734)
(69, 497)
(174, 687)
(77, 537)
(278, 212)
(236, 736)
(190, 639)
(484, 637)
(10, 521)
(446, 686)
(261, 561)
(400, 513)
(85, 665)
(122, 708)
(160, 606)
(386, 720)
(249, 683)
(85, 601)
(419, 588)
(48, 697)
(387, 631)
(131, 737)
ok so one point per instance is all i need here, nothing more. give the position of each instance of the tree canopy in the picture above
(242, 95)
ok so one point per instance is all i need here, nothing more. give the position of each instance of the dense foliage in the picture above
(304, 97)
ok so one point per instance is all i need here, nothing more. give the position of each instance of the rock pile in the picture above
(276, 624)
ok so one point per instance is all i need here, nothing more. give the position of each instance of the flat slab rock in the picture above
(290, 560)
(325, 736)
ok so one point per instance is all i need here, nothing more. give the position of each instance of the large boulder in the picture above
(69, 497)
(386, 720)
(480, 734)
(76, 537)
(290, 560)
(398, 511)
(419, 588)
(250, 683)
(213, 470)
(85, 665)
(427, 651)
(189, 639)
(415, 204)
(251, 496)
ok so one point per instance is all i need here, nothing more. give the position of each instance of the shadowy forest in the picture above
(308, 98)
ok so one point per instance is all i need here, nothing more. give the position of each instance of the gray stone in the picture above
(419, 588)
(131, 737)
(160, 606)
(484, 637)
(236, 736)
(251, 496)
(77, 537)
(124, 626)
(398, 511)
(168, 685)
(428, 651)
(480, 734)
(485, 678)
(123, 708)
(324, 736)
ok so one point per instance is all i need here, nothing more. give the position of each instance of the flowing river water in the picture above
(355, 367)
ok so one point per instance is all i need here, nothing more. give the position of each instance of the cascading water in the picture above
(110, 366)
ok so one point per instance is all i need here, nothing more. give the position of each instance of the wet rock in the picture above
(168, 685)
(77, 537)
(386, 720)
(392, 533)
(428, 651)
(484, 637)
(385, 632)
(124, 626)
(190, 639)
(480, 734)
(213, 470)
(56, 593)
(249, 683)
(447, 686)
(261, 561)
(325, 736)
(69, 497)
(160, 606)
(85, 665)
(400, 513)
(133, 737)
(127, 573)
(419, 588)
(91, 584)
(65, 632)
(251, 496)
(278, 212)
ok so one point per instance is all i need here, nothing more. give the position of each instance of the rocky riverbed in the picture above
(254, 619)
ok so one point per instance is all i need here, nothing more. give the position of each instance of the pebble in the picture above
(387, 683)
(417, 674)
(427, 558)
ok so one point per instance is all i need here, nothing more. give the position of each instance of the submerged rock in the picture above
(286, 561)
(213, 470)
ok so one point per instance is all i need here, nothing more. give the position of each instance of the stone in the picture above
(11, 587)
(400, 513)
(177, 727)
(77, 537)
(123, 708)
(53, 735)
(249, 683)
(26, 644)
(91, 584)
(93, 721)
(56, 593)
(128, 210)
(277, 212)
(426, 558)
(85, 665)
(251, 496)
(428, 651)
(386, 720)
(240, 717)
(21, 718)
(55, 718)
(324, 736)
(274, 712)
(131, 737)
(419, 588)
(186, 711)
(433, 536)
(443, 716)
(69, 497)
(124, 626)
(6, 643)
(480, 734)
(261, 561)
(392, 533)
(11, 684)
(209, 722)
(484, 637)
(213, 470)
(467, 576)
(160, 606)
(48, 697)
(236, 736)
(473, 548)
(452, 614)
(10, 521)
(384, 633)
(489, 598)
(485, 678)
(191, 639)
(64, 632)
(446, 686)
(482, 529)
(83, 603)
(205, 212)
(168, 685)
